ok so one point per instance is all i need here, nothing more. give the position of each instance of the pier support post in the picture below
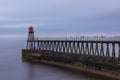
(113, 50)
(87, 48)
(96, 49)
(91, 49)
(82, 48)
(119, 51)
(102, 50)
(107, 50)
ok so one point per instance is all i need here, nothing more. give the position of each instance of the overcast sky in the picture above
(59, 17)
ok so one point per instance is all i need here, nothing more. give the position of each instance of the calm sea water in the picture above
(12, 67)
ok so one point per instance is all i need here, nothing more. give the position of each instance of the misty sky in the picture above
(59, 17)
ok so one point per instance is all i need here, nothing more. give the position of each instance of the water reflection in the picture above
(46, 72)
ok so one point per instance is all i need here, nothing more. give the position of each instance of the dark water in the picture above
(12, 67)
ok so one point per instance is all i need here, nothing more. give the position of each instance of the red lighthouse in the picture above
(31, 29)
(31, 34)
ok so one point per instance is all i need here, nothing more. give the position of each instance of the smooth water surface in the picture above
(12, 67)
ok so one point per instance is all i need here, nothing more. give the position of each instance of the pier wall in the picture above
(42, 56)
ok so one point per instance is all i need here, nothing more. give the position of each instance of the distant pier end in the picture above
(97, 56)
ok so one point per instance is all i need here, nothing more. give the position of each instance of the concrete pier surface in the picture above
(37, 56)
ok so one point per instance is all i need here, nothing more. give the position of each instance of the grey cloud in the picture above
(62, 15)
